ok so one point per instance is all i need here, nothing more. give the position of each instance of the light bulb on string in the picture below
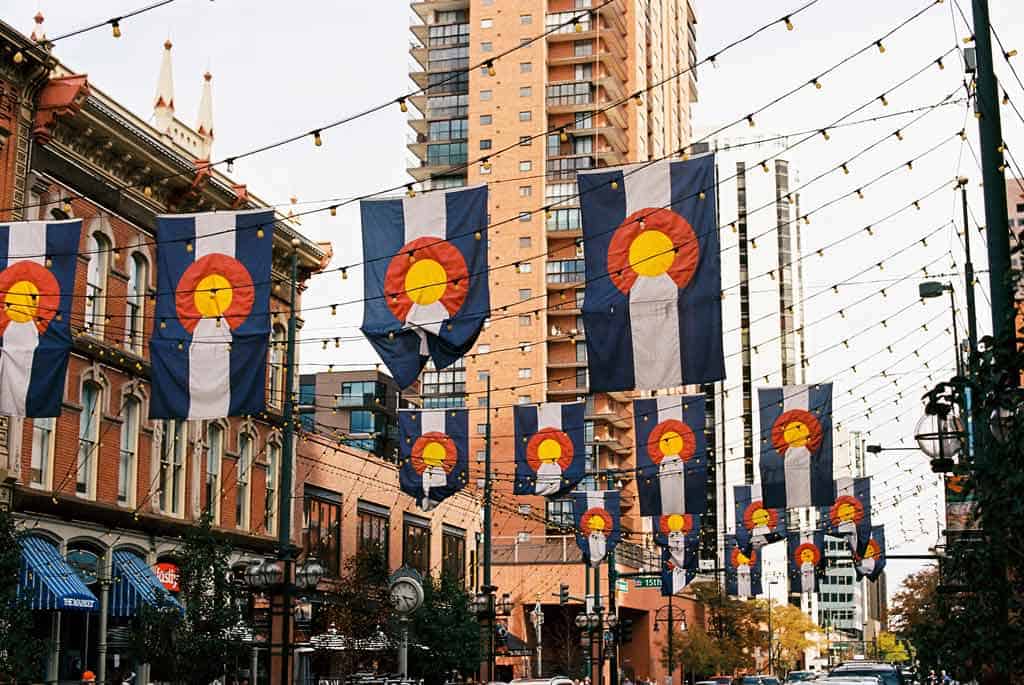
(115, 28)
(317, 140)
(402, 106)
(880, 46)
(788, 22)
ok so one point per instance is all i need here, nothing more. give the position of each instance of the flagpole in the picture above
(488, 588)
(284, 493)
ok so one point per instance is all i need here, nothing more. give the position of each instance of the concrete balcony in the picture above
(612, 63)
(611, 418)
(612, 13)
(574, 364)
(425, 8)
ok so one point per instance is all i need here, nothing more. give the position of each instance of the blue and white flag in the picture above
(742, 569)
(678, 535)
(598, 518)
(37, 279)
(209, 346)
(756, 524)
(796, 446)
(675, 577)
(849, 516)
(869, 561)
(671, 455)
(434, 450)
(806, 556)
(653, 310)
(550, 450)
(426, 277)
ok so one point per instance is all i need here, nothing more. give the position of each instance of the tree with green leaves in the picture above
(444, 634)
(891, 648)
(694, 651)
(21, 653)
(199, 645)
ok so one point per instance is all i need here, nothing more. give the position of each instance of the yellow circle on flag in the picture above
(426, 281)
(796, 434)
(671, 443)
(761, 517)
(742, 559)
(807, 556)
(846, 512)
(651, 253)
(21, 301)
(676, 522)
(434, 454)
(549, 450)
(213, 295)
(596, 523)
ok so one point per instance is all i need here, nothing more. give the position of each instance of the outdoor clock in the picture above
(406, 591)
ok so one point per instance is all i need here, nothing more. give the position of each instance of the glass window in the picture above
(525, 116)
(96, 281)
(564, 220)
(42, 451)
(526, 372)
(486, 23)
(525, 241)
(525, 67)
(524, 399)
(581, 351)
(322, 528)
(446, 106)
(270, 500)
(453, 553)
(448, 129)
(583, 120)
(486, 94)
(214, 459)
(444, 82)
(525, 91)
(373, 530)
(566, 271)
(447, 382)
(485, 143)
(524, 216)
(481, 429)
(416, 545)
(447, 154)
(577, 93)
(278, 341)
(242, 481)
(135, 303)
(526, 165)
(558, 516)
(172, 468)
(361, 421)
(525, 191)
(525, 19)
(486, 46)
(486, 119)
(525, 268)
(525, 320)
(583, 48)
(525, 294)
(88, 437)
(525, 141)
(128, 456)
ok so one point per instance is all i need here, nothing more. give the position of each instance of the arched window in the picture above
(135, 306)
(129, 454)
(96, 282)
(245, 443)
(277, 359)
(270, 507)
(88, 439)
(42, 452)
(214, 458)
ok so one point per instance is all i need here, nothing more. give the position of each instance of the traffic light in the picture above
(563, 593)
(625, 631)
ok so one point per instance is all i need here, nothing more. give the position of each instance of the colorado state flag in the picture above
(597, 515)
(742, 569)
(869, 561)
(756, 524)
(849, 516)
(806, 553)
(652, 309)
(209, 345)
(550, 450)
(37, 278)
(434, 449)
(426, 277)
(796, 446)
(678, 536)
(671, 455)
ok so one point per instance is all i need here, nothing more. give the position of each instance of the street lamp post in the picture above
(538, 622)
(771, 634)
(671, 631)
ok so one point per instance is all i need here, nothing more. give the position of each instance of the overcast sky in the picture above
(282, 68)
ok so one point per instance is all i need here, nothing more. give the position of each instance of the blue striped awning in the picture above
(135, 584)
(49, 582)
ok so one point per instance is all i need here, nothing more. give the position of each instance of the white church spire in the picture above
(163, 104)
(204, 126)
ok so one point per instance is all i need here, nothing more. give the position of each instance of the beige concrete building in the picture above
(548, 102)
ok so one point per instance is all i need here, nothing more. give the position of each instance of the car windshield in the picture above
(886, 677)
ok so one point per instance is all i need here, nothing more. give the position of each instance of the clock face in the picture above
(405, 596)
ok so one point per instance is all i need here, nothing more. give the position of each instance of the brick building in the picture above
(535, 350)
(103, 490)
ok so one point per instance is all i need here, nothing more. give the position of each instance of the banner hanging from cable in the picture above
(796, 446)
(869, 560)
(756, 524)
(671, 455)
(550, 449)
(849, 516)
(806, 554)
(434, 453)
(652, 309)
(37, 278)
(425, 283)
(742, 569)
(598, 518)
(209, 346)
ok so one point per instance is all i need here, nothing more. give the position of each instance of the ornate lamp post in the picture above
(670, 622)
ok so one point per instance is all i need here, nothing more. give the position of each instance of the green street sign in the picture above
(653, 581)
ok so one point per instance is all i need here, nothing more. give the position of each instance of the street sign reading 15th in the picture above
(647, 582)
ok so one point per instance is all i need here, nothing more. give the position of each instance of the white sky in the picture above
(282, 68)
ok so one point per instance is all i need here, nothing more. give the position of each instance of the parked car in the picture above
(557, 680)
(760, 680)
(722, 679)
(800, 676)
(886, 673)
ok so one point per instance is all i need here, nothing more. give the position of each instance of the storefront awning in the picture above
(49, 582)
(136, 584)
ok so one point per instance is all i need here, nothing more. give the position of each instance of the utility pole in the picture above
(972, 327)
(997, 228)
(538, 624)
(671, 630)
(284, 494)
(488, 588)
(613, 657)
